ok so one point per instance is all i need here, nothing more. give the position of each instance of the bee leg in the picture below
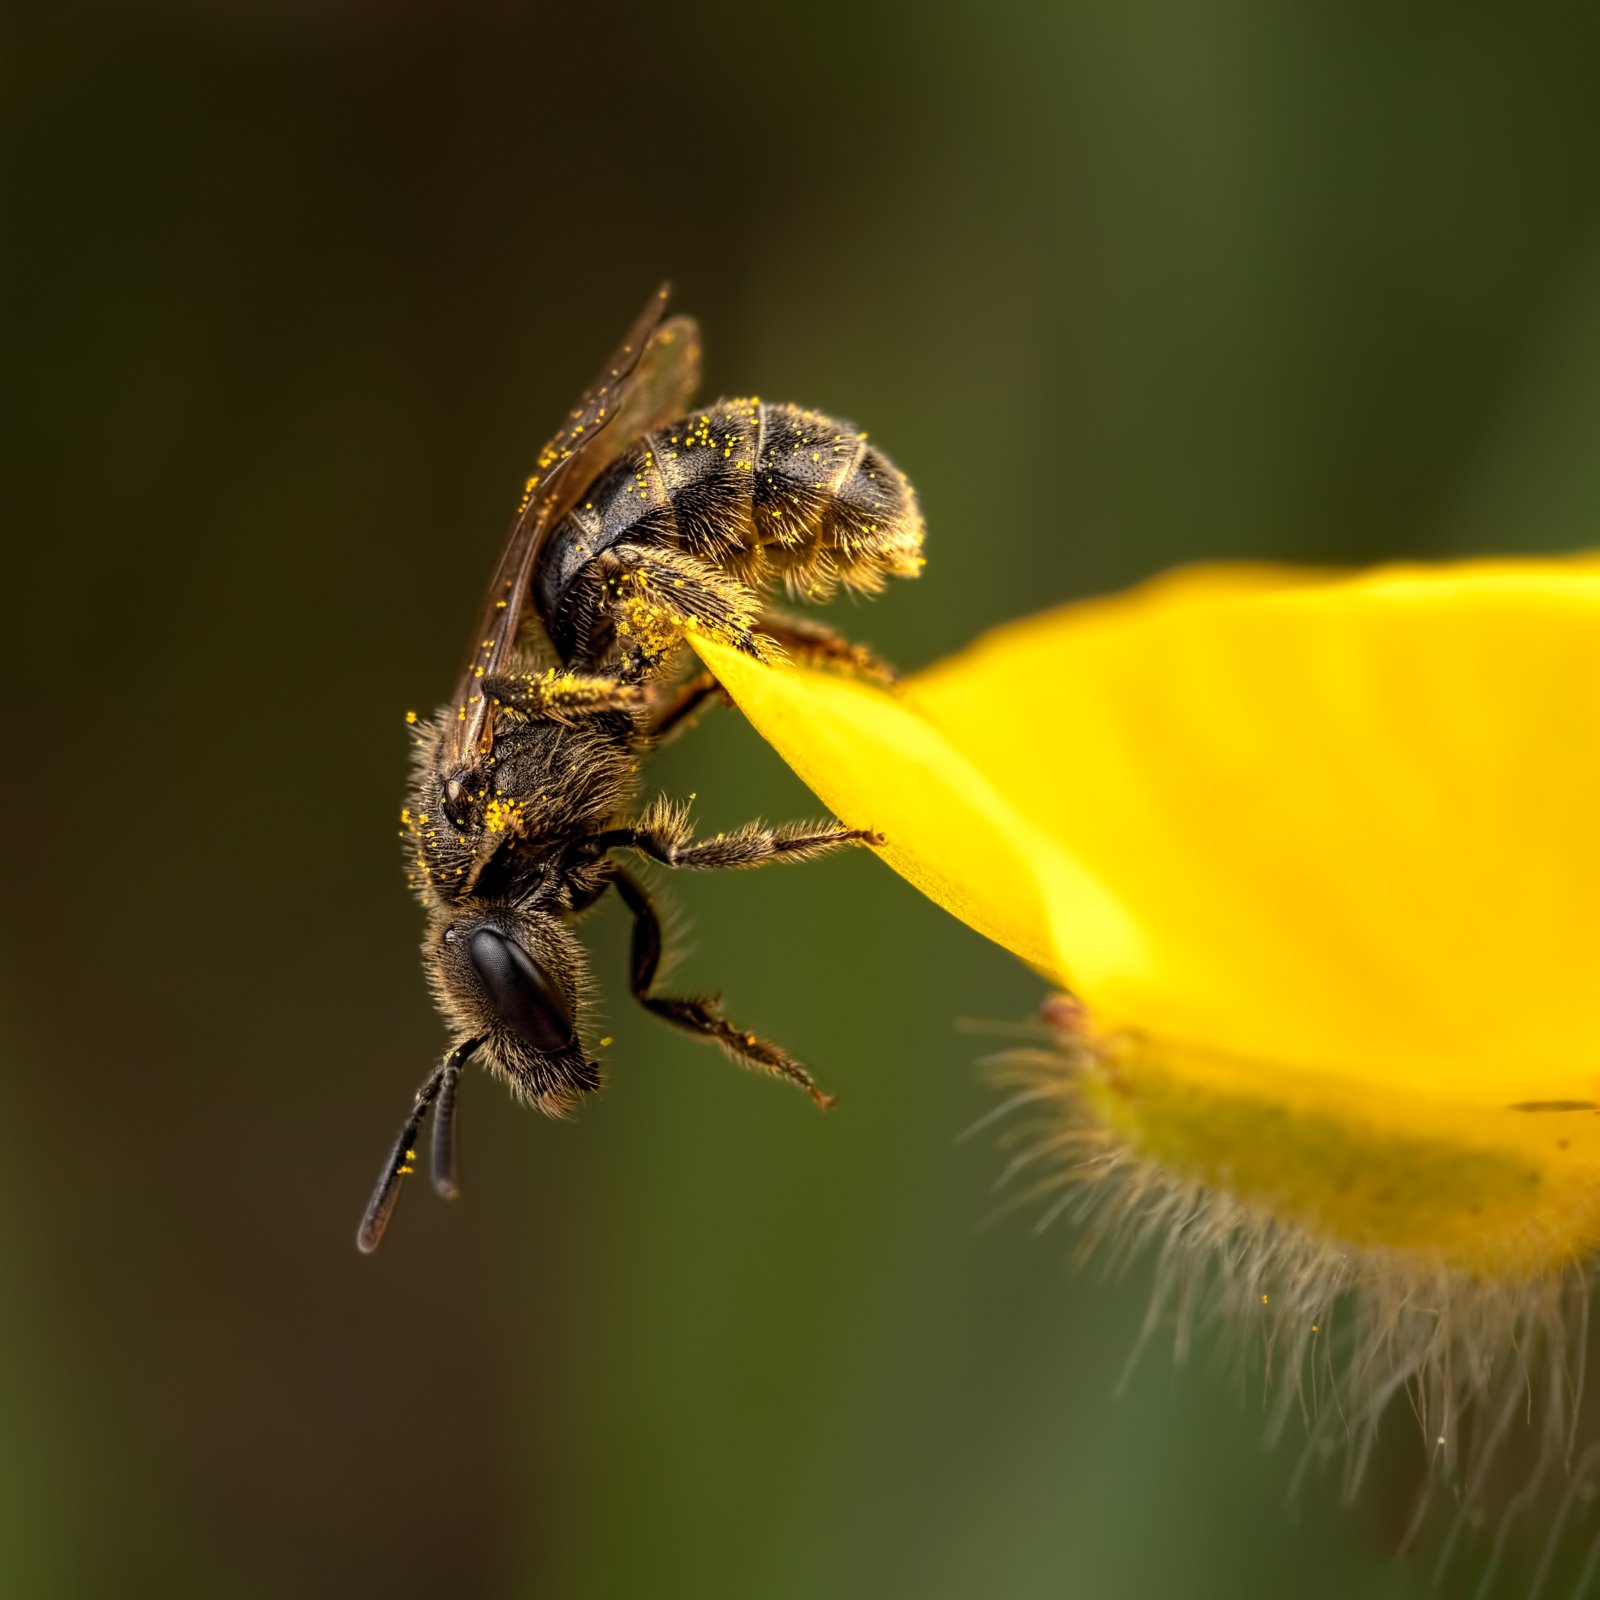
(664, 836)
(699, 1016)
(814, 642)
(653, 595)
(561, 696)
(799, 637)
(685, 702)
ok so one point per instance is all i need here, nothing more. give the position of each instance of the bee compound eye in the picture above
(521, 991)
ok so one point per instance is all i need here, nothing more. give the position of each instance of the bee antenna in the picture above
(385, 1196)
(446, 1180)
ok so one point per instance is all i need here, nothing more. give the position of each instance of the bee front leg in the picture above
(699, 1016)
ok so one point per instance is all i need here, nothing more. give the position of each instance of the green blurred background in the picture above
(294, 290)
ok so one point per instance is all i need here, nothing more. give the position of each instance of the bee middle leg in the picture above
(699, 1016)
(664, 835)
(560, 696)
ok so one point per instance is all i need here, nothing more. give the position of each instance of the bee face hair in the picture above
(515, 980)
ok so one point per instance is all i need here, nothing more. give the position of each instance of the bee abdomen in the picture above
(828, 507)
(761, 491)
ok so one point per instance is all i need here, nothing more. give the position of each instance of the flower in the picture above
(1317, 858)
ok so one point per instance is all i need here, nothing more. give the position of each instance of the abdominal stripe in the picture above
(756, 488)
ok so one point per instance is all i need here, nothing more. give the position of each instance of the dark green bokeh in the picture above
(293, 292)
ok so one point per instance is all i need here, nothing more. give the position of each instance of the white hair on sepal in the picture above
(1491, 1370)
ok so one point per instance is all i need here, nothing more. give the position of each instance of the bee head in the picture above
(510, 983)
(514, 979)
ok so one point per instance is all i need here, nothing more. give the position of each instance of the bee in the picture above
(644, 520)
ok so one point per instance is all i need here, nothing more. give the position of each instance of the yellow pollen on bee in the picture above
(605, 1041)
(411, 716)
(502, 816)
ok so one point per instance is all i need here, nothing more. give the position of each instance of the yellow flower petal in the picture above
(877, 764)
(1313, 845)
(1353, 819)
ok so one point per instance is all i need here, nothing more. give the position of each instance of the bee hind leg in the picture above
(700, 1017)
(685, 702)
(803, 640)
(814, 643)
(653, 595)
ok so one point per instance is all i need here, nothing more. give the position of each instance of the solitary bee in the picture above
(643, 520)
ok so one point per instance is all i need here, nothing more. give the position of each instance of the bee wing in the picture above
(648, 381)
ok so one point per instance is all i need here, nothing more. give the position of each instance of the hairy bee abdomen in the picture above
(762, 491)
